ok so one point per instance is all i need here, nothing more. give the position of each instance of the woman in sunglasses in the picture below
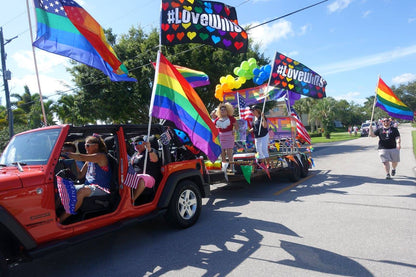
(96, 171)
(153, 165)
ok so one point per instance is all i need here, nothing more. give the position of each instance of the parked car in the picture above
(365, 127)
(30, 203)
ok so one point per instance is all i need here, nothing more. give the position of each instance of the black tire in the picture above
(4, 268)
(185, 206)
(305, 167)
(295, 170)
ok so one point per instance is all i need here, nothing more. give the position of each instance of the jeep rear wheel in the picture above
(185, 206)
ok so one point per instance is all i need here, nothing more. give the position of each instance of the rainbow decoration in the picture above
(390, 103)
(65, 28)
(174, 99)
(194, 77)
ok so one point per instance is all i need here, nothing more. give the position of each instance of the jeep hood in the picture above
(13, 179)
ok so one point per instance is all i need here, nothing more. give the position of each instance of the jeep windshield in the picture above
(33, 148)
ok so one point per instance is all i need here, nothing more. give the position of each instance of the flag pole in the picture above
(265, 96)
(374, 105)
(36, 65)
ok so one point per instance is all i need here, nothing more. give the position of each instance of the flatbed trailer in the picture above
(293, 164)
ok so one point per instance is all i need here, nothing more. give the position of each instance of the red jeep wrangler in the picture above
(30, 204)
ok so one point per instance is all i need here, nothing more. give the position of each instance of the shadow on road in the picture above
(324, 182)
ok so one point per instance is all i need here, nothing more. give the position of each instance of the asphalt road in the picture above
(344, 219)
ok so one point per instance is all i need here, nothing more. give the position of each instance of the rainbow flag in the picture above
(194, 77)
(174, 99)
(390, 103)
(65, 28)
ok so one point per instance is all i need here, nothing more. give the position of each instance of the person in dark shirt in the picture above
(260, 131)
(153, 165)
(388, 146)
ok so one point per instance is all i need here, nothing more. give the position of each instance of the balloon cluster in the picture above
(227, 84)
(261, 74)
(246, 69)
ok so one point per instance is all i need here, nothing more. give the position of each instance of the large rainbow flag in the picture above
(174, 99)
(65, 28)
(389, 102)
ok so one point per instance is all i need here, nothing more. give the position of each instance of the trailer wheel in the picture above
(185, 205)
(295, 172)
(305, 167)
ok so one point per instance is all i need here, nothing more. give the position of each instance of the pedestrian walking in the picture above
(388, 146)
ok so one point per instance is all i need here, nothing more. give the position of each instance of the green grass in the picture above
(414, 142)
(335, 137)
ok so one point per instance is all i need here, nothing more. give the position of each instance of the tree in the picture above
(324, 110)
(127, 102)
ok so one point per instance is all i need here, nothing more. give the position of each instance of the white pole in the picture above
(36, 66)
(374, 105)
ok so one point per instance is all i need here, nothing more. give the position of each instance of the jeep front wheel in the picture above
(185, 206)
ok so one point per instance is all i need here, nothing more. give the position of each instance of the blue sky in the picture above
(348, 42)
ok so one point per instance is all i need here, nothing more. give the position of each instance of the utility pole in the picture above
(6, 77)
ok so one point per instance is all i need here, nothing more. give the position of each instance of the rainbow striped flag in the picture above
(390, 103)
(174, 99)
(65, 28)
(194, 77)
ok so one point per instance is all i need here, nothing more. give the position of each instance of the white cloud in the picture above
(404, 78)
(366, 13)
(267, 34)
(356, 63)
(352, 97)
(410, 20)
(49, 85)
(338, 5)
(46, 62)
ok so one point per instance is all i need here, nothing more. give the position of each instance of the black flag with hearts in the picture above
(206, 22)
(293, 76)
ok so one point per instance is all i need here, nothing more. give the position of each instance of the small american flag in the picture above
(245, 112)
(165, 137)
(132, 178)
(67, 193)
(300, 129)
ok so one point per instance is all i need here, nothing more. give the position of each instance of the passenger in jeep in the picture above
(153, 173)
(96, 171)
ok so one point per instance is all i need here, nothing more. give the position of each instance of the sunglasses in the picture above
(138, 142)
(89, 144)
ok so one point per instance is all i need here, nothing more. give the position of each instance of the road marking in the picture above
(294, 184)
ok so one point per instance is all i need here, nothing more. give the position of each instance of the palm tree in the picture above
(324, 110)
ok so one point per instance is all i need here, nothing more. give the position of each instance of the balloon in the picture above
(236, 69)
(268, 69)
(229, 79)
(222, 80)
(256, 71)
(245, 65)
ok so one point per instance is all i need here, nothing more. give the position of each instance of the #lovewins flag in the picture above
(206, 22)
(174, 99)
(65, 28)
(390, 103)
(291, 75)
